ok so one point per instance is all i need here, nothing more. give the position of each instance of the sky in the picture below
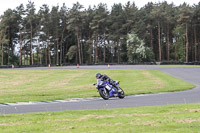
(12, 4)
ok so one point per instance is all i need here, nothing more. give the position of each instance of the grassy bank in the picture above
(59, 84)
(169, 118)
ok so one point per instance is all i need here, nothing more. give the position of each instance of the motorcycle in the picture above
(107, 90)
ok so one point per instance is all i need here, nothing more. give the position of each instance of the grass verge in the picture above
(59, 84)
(183, 118)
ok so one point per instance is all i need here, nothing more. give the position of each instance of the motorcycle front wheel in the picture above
(104, 94)
(121, 94)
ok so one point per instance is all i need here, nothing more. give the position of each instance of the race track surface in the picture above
(189, 74)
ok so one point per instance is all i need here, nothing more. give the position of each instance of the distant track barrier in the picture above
(108, 64)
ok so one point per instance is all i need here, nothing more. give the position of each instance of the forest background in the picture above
(96, 35)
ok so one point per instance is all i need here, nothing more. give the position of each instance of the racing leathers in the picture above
(106, 78)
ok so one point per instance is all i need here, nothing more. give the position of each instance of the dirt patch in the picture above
(187, 121)
(15, 124)
(171, 112)
(86, 117)
(19, 80)
(130, 115)
(157, 81)
(117, 124)
(146, 123)
(65, 80)
(193, 110)
(149, 123)
(3, 76)
(56, 120)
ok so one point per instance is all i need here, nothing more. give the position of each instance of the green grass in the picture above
(59, 84)
(183, 118)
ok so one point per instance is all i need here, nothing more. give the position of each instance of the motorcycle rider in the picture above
(106, 78)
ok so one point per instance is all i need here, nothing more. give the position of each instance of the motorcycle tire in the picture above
(121, 94)
(104, 94)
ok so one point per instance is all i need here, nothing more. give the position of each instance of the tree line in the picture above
(125, 33)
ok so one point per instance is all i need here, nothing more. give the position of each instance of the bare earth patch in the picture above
(157, 81)
(86, 117)
(193, 110)
(146, 123)
(171, 112)
(130, 115)
(15, 123)
(187, 121)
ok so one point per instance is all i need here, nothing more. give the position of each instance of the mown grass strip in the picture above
(183, 118)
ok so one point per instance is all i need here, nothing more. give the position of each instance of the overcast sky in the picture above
(139, 3)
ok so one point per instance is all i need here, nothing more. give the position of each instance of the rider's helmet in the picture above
(98, 75)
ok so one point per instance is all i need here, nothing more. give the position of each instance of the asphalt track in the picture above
(189, 74)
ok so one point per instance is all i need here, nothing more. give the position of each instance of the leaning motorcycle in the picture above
(107, 91)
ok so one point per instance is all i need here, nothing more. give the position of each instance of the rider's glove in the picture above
(97, 86)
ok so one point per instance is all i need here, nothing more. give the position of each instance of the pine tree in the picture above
(99, 30)
(63, 28)
(30, 26)
(157, 15)
(45, 20)
(184, 18)
(196, 25)
(117, 20)
(54, 31)
(75, 24)
(20, 11)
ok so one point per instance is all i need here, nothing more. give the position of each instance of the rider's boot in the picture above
(118, 89)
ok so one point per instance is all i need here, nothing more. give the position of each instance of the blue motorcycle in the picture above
(107, 90)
